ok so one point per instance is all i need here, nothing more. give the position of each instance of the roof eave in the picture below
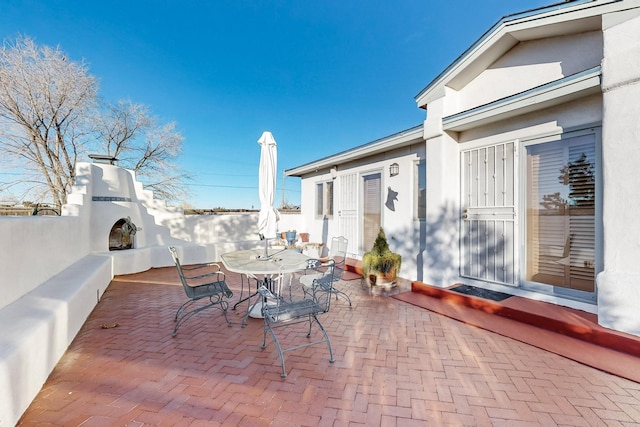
(400, 139)
(542, 97)
(506, 33)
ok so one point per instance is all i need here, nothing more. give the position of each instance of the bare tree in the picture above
(44, 103)
(50, 118)
(128, 132)
(119, 126)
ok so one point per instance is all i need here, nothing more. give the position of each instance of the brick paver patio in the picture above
(396, 365)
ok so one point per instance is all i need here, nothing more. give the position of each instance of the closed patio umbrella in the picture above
(269, 216)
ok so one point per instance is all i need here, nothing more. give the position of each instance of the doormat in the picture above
(481, 293)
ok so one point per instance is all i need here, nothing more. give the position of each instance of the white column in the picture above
(619, 283)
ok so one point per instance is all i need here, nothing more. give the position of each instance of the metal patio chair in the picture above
(211, 285)
(337, 254)
(286, 304)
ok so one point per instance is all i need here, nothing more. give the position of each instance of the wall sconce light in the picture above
(334, 172)
(394, 169)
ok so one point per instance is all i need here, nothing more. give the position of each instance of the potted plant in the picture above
(380, 266)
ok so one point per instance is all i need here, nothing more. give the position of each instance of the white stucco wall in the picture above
(526, 66)
(619, 283)
(54, 270)
(38, 247)
(34, 249)
(400, 226)
(535, 63)
(317, 228)
(441, 265)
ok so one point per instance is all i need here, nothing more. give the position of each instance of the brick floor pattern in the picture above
(396, 365)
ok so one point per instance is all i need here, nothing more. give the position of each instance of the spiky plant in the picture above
(380, 259)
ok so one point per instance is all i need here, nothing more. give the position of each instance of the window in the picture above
(324, 199)
(319, 200)
(560, 213)
(420, 205)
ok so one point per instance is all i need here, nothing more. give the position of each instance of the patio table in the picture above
(253, 264)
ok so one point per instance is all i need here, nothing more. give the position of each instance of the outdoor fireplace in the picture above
(122, 235)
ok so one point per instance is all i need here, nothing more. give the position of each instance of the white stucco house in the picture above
(521, 178)
(355, 192)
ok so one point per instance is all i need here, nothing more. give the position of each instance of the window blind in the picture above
(560, 231)
(372, 210)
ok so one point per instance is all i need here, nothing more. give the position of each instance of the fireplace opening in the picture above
(122, 234)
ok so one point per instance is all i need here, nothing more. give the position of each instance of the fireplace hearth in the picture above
(121, 236)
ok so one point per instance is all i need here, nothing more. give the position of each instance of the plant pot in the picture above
(290, 236)
(383, 280)
(304, 237)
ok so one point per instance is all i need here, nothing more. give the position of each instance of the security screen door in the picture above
(488, 235)
(558, 227)
(348, 210)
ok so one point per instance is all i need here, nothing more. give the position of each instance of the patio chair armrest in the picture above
(219, 277)
(199, 266)
(215, 273)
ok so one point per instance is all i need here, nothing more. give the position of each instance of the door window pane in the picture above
(421, 190)
(319, 200)
(329, 199)
(372, 210)
(561, 202)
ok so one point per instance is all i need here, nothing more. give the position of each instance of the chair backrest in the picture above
(338, 252)
(289, 299)
(176, 260)
(288, 282)
(323, 273)
(189, 290)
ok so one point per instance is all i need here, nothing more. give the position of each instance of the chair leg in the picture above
(182, 316)
(310, 324)
(311, 318)
(264, 336)
(326, 339)
(225, 307)
(324, 332)
(181, 309)
(344, 295)
(278, 347)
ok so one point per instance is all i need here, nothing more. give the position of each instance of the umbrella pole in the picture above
(266, 248)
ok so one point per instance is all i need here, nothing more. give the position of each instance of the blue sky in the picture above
(322, 76)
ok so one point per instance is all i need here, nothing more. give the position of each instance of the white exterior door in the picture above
(489, 229)
(348, 210)
(371, 209)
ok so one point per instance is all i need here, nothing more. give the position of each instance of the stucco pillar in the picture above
(619, 282)
(441, 265)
